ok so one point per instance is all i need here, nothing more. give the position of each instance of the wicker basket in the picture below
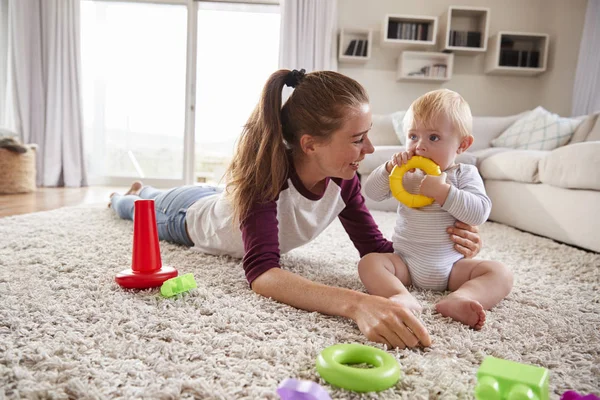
(17, 171)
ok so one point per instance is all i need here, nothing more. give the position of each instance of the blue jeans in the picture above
(171, 208)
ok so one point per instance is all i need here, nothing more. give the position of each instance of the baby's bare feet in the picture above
(461, 309)
(408, 301)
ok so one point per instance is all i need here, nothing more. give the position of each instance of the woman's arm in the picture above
(379, 319)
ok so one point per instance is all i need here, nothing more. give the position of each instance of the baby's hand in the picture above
(434, 186)
(399, 159)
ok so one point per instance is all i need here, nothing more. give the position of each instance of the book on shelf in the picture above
(359, 48)
(407, 30)
(431, 71)
(350, 49)
(464, 38)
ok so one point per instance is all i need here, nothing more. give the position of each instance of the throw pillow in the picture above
(538, 130)
(397, 120)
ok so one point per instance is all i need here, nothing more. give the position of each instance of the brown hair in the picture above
(436, 103)
(318, 106)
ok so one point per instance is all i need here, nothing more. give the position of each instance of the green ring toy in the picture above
(331, 366)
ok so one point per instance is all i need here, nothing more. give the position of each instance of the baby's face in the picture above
(436, 141)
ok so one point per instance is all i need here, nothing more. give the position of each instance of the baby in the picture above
(438, 126)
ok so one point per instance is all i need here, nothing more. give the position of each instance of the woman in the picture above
(293, 173)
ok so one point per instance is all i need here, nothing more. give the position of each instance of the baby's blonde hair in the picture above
(441, 102)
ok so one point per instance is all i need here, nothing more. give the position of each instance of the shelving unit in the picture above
(408, 31)
(421, 66)
(354, 45)
(517, 53)
(464, 30)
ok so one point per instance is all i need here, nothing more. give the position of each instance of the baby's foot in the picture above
(408, 301)
(461, 309)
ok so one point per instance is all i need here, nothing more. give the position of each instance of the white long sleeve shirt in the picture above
(420, 236)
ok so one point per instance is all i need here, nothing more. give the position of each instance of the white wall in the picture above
(487, 94)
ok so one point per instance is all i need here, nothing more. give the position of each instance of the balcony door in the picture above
(168, 84)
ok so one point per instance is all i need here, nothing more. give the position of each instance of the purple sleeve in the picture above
(358, 221)
(260, 234)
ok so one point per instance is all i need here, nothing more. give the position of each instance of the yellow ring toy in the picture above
(398, 191)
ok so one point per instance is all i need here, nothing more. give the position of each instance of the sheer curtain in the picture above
(44, 56)
(308, 35)
(7, 100)
(586, 89)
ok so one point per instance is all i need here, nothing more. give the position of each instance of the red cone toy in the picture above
(146, 266)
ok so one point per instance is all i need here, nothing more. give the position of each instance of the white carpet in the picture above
(68, 331)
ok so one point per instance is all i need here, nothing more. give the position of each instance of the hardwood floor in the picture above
(45, 199)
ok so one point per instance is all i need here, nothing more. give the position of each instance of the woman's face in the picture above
(339, 158)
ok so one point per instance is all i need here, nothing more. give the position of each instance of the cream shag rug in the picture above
(68, 331)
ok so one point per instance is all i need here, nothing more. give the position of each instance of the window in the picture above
(134, 88)
(134, 60)
(232, 68)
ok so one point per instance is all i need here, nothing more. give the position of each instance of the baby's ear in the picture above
(466, 142)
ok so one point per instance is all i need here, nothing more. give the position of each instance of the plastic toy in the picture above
(499, 379)
(571, 395)
(177, 285)
(331, 365)
(146, 269)
(397, 188)
(294, 389)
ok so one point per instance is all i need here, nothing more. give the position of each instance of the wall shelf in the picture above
(464, 30)
(517, 53)
(408, 31)
(354, 45)
(420, 66)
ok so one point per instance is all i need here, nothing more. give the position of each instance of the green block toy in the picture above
(499, 379)
(177, 285)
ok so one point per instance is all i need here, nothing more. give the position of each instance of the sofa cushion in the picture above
(487, 128)
(382, 132)
(583, 130)
(515, 165)
(538, 130)
(398, 122)
(490, 151)
(575, 166)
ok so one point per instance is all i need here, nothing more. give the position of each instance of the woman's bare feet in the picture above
(461, 309)
(135, 189)
(408, 301)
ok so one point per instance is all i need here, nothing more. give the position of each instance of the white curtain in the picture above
(46, 74)
(308, 35)
(586, 90)
(7, 100)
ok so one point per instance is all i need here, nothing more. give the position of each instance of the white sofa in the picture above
(552, 193)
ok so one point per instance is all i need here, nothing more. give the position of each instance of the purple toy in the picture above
(571, 395)
(293, 389)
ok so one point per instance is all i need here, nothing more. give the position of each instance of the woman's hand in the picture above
(466, 239)
(384, 321)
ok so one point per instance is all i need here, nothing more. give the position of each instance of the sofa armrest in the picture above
(575, 166)
(383, 154)
(378, 157)
(382, 131)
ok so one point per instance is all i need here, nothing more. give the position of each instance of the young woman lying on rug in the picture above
(438, 127)
(293, 173)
